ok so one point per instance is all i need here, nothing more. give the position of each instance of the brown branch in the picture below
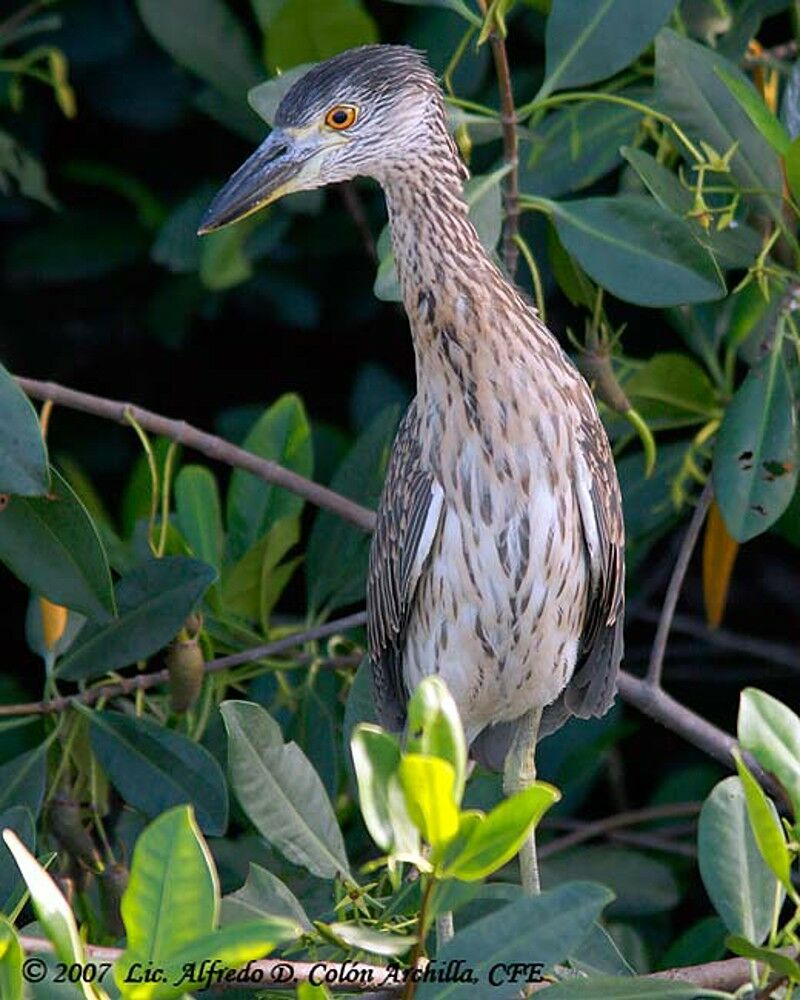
(656, 665)
(207, 444)
(508, 119)
(142, 682)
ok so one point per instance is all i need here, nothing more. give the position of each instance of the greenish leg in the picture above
(520, 773)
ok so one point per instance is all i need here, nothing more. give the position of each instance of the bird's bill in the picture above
(271, 172)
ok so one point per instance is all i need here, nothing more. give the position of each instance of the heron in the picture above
(497, 558)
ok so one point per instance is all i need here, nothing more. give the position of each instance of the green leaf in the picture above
(576, 145)
(631, 988)
(206, 38)
(52, 910)
(791, 163)
(282, 434)
(736, 246)
(199, 513)
(25, 169)
(368, 939)
(265, 98)
(690, 89)
(756, 454)
(766, 826)
(784, 965)
(736, 877)
(51, 544)
(771, 732)
(264, 896)
(435, 730)
(759, 114)
(637, 250)
(223, 258)
(11, 956)
(177, 246)
(154, 600)
(23, 456)
(306, 31)
(21, 820)
(543, 929)
(22, 780)
(672, 390)
(429, 787)
(338, 552)
(249, 585)
(459, 7)
(376, 758)
(496, 839)
(589, 40)
(154, 768)
(282, 793)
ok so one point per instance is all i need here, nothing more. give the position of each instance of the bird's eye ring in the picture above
(341, 116)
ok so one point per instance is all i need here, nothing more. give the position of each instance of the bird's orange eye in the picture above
(341, 117)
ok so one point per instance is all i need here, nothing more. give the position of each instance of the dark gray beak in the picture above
(262, 178)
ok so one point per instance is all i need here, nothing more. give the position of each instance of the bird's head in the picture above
(365, 112)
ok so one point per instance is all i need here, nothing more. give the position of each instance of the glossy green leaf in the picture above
(756, 453)
(23, 456)
(632, 988)
(429, 787)
(496, 839)
(637, 250)
(783, 964)
(154, 768)
(206, 38)
(11, 956)
(21, 820)
(22, 780)
(575, 146)
(153, 600)
(376, 758)
(766, 826)
(589, 40)
(672, 390)
(304, 31)
(51, 544)
(689, 87)
(263, 896)
(757, 111)
(736, 877)
(545, 928)
(197, 505)
(282, 434)
(338, 552)
(434, 728)
(736, 246)
(52, 910)
(377, 942)
(770, 730)
(282, 793)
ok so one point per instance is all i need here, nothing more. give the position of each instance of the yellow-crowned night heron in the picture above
(497, 560)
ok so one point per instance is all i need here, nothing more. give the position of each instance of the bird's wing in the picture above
(593, 685)
(408, 518)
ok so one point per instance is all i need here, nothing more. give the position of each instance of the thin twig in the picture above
(142, 682)
(656, 665)
(207, 444)
(508, 119)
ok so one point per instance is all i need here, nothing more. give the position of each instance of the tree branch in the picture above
(142, 682)
(207, 444)
(656, 665)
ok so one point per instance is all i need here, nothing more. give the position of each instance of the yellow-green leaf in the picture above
(429, 788)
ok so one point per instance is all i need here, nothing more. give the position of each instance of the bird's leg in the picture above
(520, 773)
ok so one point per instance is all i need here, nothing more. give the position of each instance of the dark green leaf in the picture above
(251, 586)
(23, 456)
(205, 37)
(637, 250)
(736, 877)
(757, 111)
(689, 88)
(458, 6)
(177, 245)
(770, 730)
(282, 434)
(51, 544)
(792, 164)
(22, 821)
(784, 965)
(589, 40)
(306, 31)
(756, 453)
(672, 390)
(27, 172)
(199, 513)
(547, 928)
(22, 780)
(223, 258)
(633, 988)
(154, 600)
(263, 896)
(154, 768)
